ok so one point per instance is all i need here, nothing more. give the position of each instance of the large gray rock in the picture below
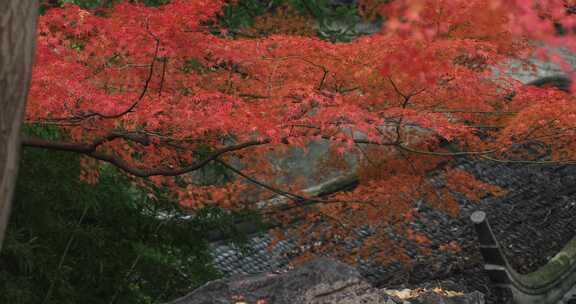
(321, 281)
(300, 285)
(435, 298)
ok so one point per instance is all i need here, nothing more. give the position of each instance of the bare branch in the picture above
(91, 150)
(283, 193)
(531, 162)
(503, 113)
(140, 97)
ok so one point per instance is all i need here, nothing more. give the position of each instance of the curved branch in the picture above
(531, 162)
(460, 153)
(142, 139)
(140, 97)
(91, 151)
(145, 172)
(280, 192)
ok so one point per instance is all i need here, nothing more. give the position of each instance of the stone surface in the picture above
(435, 298)
(321, 281)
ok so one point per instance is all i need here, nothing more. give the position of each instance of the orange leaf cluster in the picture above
(155, 92)
(284, 20)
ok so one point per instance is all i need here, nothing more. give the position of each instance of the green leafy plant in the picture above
(72, 242)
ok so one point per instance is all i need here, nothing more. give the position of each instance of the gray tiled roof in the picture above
(255, 257)
(524, 184)
(528, 184)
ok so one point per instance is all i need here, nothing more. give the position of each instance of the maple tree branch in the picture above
(549, 124)
(163, 76)
(366, 156)
(85, 148)
(462, 153)
(475, 112)
(530, 162)
(140, 97)
(548, 136)
(404, 106)
(315, 201)
(253, 96)
(372, 142)
(132, 65)
(487, 127)
(405, 97)
(415, 172)
(324, 70)
(303, 201)
(298, 199)
(323, 80)
(283, 193)
(60, 123)
(91, 151)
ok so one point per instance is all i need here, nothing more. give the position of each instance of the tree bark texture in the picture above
(17, 48)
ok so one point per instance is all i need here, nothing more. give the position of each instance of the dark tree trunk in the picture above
(17, 45)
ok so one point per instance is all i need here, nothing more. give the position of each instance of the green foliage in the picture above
(193, 65)
(243, 13)
(324, 9)
(335, 22)
(71, 242)
(87, 3)
(91, 4)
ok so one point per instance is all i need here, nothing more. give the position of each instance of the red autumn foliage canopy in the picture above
(161, 91)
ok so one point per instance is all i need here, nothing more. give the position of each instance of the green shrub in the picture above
(71, 242)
